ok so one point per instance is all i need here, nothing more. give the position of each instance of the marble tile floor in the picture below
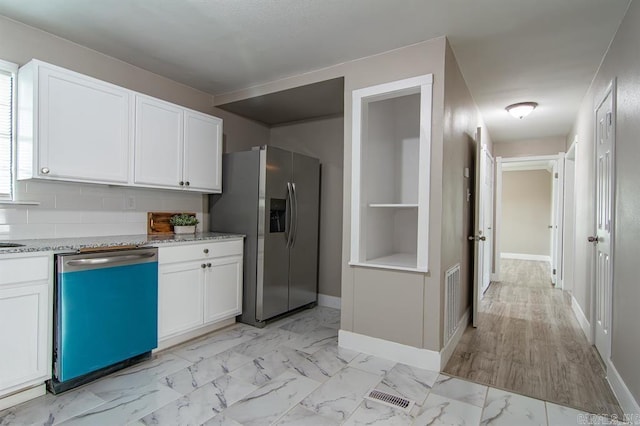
(290, 373)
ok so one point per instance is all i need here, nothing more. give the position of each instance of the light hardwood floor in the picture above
(528, 341)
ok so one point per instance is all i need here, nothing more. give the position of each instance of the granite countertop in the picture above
(74, 244)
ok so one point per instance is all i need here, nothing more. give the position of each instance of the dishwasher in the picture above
(105, 313)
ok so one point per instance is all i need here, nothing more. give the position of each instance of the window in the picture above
(7, 126)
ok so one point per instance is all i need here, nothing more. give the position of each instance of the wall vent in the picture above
(390, 400)
(451, 301)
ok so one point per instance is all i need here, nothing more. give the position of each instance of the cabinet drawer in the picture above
(24, 269)
(195, 251)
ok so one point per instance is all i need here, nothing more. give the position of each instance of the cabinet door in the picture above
(223, 289)
(84, 128)
(158, 143)
(179, 297)
(24, 319)
(203, 152)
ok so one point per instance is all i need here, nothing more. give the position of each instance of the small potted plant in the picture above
(183, 223)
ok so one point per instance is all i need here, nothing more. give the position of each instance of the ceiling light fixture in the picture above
(521, 109)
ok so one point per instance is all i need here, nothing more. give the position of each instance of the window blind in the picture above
(6, 133)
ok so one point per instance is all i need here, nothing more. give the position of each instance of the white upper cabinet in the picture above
(158, 142)
(176, 147)
(75, 128)
(202, 152)
(72, 127)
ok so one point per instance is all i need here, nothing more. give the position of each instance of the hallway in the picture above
(528, 341)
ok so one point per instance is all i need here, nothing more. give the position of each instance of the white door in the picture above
(478, 236)
(486, 200)
(84, 128)
(202, 152)
(158, 143)
(223, 289)
(605, 139)
(180, 297)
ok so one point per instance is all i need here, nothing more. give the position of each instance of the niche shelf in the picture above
(391, 142)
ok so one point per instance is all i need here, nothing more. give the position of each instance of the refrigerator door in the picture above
(303, 261)
(273, 281)
(237, 210)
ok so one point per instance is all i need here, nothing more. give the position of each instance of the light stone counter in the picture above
(60, 245)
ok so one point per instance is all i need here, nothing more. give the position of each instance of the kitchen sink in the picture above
(10, 245)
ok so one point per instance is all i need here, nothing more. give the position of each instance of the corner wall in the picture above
(461, 119)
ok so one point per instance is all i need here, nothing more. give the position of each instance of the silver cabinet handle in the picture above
(593, 239)
(203, 266)
(44, 171)
(107, 260)
(187, 183)
(181, 183)
(208, 265)
(206, 251)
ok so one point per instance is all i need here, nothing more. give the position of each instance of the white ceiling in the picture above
(509, 51)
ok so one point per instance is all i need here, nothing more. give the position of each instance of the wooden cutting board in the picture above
(158, 222)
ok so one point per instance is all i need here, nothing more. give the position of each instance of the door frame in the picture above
(500, 163)
(569, 219)
(611, 89)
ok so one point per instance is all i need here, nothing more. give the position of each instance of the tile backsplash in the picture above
(82, 210)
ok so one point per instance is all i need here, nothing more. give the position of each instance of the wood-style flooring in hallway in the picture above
(528, 341)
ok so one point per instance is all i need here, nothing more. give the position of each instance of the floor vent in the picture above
(390, 400)
(452, 302)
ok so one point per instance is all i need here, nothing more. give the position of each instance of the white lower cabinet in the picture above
(222, 294)
(25, 321)
(179, 297)
(199, 285)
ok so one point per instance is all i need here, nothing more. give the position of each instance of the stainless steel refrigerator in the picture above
(272, 196)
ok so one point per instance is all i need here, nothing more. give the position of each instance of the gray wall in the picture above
(461, 118)
(621, 62)
(322, 139)
(525, 148)
(526, 212)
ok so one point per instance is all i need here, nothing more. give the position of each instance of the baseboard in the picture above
(525, 256)
(23, 396)
(189, 335)
(329, 301)
(447, 351)
(416, 357)
(582, 319)
(627, 402)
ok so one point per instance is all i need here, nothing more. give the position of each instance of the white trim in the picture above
(497, 226)
(627, 402)
(526, 256)
(530, 158)
(20, 397)
(329, 301)
(410, 355)
(447, 351)
(582, 319)
(415, 85)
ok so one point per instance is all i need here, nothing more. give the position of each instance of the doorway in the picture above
(530, 211)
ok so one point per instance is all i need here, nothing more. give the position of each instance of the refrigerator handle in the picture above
(294, 218)
(288, 215)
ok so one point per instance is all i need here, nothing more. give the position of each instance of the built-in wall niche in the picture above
(390, 182)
